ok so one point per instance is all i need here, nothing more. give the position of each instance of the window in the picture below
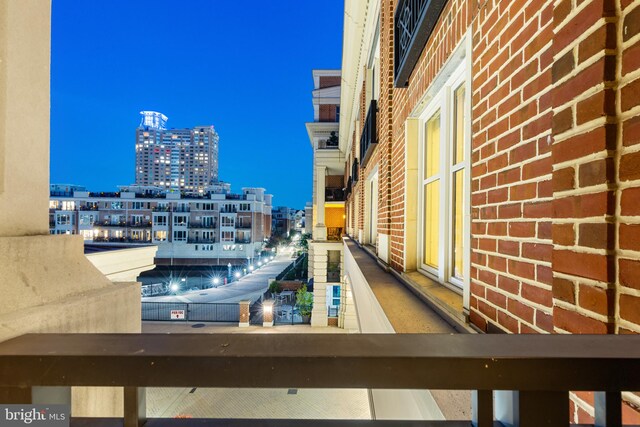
(180, 220)
(227, 236)
(137, 205)
(228, 221)
(207, 221)
(64, 219)
(245, 207)
(444, 169)
(53, 204)
(160, 236)
(179, 236)
(68, 205)
(116, 205)
(87, 219)
(160, 220)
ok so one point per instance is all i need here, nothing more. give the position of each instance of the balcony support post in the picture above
(482, 408)
(135, 406)
(543, 408)
(608, 409)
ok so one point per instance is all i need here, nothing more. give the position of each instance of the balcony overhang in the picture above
(414, 22)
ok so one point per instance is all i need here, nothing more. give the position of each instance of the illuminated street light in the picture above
(251, 268)
(175, 287)
(237, 274)
(216, 281)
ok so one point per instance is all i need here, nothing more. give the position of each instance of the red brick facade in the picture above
(555, 161)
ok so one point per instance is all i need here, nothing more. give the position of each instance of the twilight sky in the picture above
(242, 66)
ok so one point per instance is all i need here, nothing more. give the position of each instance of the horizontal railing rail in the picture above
(543, 368)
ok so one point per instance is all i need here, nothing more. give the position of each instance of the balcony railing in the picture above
(333, 143)
(334, 233)
(120, 240)
(413, 23)
(369, 137)
(542, 368)
(201, 240)
(118, 224)
(243, 226)
(334, 195)
(354, 170)
(181, 209)
(160, 209)
(243, 241)
(139, 224)
(88, 208)
(226, 210)
(196, 224)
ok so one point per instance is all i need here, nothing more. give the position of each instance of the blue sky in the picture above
(244, 67)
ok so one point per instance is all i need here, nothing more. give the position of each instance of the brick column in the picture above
(244, 314)
(584, 166)
(267, 308)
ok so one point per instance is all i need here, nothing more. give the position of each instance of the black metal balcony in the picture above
(347, 189)
(334, 195)
(354, 170)
(181, 209)
(334, 233)
(369, 138)
(139, 224)
(89, 208)
(118, 224)
(243, 241)
(198, 224)
(160, 209)
(543, 368)
(413, 24)
(332, 143)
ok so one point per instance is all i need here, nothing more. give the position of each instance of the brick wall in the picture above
(512, 166)
(448, 32)
(329, 81)
(327, 113)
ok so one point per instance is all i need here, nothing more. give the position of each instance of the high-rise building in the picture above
(185, 159)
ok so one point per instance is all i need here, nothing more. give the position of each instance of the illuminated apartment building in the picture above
(185, 159)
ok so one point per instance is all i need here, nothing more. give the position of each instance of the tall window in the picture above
(444, 171)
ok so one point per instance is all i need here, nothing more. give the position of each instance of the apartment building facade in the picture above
(327, 213)
(215, 228)
(492, 159)
(184, 159)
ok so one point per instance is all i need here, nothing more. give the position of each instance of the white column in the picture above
(320, 230)
(319, 312)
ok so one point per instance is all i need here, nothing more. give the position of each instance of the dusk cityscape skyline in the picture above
(213, 73)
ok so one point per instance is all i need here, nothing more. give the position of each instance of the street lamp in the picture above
(237, 275)
(251, 268)
(229, 269)
(216, 281)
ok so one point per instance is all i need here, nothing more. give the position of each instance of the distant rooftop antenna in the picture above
(153, 120)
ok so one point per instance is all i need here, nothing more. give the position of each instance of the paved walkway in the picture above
(249, 287)
(253, 403)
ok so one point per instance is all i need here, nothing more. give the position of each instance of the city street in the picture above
(250, 287)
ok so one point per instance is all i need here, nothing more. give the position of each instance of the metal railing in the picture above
(334, 233)
(542, 369)
(201, 240)
(369, 137)
(197, 224)
(334, 194)
(193, 312)
(413, 23)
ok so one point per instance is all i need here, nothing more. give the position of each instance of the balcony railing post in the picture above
(543, 408)
(608, 409)
(482, 408)
(135, 406)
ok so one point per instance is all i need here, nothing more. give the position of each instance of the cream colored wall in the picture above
(47, 285)
(24, 116)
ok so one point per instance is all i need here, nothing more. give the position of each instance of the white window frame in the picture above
(443, 101)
